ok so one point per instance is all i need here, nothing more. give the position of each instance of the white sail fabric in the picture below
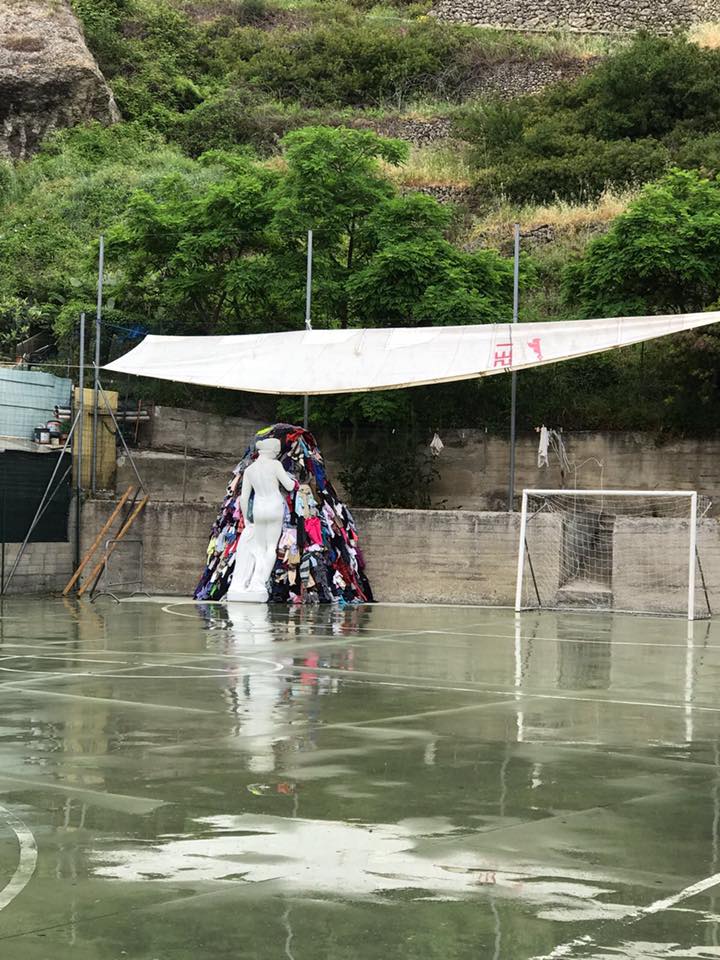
(353, 361)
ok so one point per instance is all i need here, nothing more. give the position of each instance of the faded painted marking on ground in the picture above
(27, 859)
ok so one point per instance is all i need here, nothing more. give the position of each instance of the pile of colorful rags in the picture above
(319, 558)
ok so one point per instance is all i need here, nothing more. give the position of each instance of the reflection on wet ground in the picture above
(182, 781)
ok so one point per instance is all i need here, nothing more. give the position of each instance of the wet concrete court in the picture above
(182, 783)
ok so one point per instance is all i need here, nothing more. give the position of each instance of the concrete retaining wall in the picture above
(44, 568)
(473, 467)
(414, 555)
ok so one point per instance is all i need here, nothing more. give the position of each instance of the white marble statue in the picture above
(257, 548)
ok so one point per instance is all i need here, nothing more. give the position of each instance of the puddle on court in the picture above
(359, 783)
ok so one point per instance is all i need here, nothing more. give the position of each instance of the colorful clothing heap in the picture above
(319, 558)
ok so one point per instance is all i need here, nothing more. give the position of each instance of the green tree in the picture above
(197, 261)
(57, 204)
(382, 259)
(663, 256)
(230, 256)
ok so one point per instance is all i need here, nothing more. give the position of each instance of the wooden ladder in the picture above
(100, 565)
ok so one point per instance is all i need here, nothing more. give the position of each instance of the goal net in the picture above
(629, 551)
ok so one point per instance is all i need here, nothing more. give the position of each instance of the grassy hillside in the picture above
(248, 121)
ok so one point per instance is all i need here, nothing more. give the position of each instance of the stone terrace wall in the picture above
(592, 16)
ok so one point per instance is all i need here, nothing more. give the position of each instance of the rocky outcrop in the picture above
(48, 77)
(592, 16)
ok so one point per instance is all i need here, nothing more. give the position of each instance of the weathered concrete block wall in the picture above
(474, 466)
(596, 16)
(44, 568)
(435, 556)
(650, 563)
(175, 537)
(175, 428)
(440, 557)
(413, 556)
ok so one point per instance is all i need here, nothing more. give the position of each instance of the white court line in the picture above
(458, 633)
(27, 860)
(407, 636)
(127, 672)
(700, 887)
(45, 645)
(209, 671)
(567, 949)
(281, 646)
(141, 704)
(353, 725)
(34, 656)
(141, 805)
(508, 636)
(297, 729)
(481, 688)
(180, 603)
(353, 676)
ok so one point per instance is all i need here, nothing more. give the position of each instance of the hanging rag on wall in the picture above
(319, 559)
(543, 448)
(553, 440)
(436, 446)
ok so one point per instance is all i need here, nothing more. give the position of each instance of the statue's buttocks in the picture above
(257, 548)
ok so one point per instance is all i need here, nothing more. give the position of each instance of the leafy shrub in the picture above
(621, 124)
(701, 154)
(646, 89)
(583, 169)
(387, 472)
(357, 64)
(237, 116)
(661, 255)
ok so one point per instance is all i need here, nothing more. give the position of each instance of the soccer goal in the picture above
(634, 551)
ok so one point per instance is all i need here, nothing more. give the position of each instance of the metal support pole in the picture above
(120, 434)
(2, 545)
(98, 322)
(513, 385)
(521, 554)
(692, 559)
(81, 425)
(308, 321)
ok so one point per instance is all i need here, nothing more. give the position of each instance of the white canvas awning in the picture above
(354, 361)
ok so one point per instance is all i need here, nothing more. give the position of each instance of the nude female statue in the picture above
(257, 548)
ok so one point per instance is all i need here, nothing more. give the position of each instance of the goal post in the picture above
(634, 551)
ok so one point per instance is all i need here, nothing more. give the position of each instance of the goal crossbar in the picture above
(611, 493)
(691, 516)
